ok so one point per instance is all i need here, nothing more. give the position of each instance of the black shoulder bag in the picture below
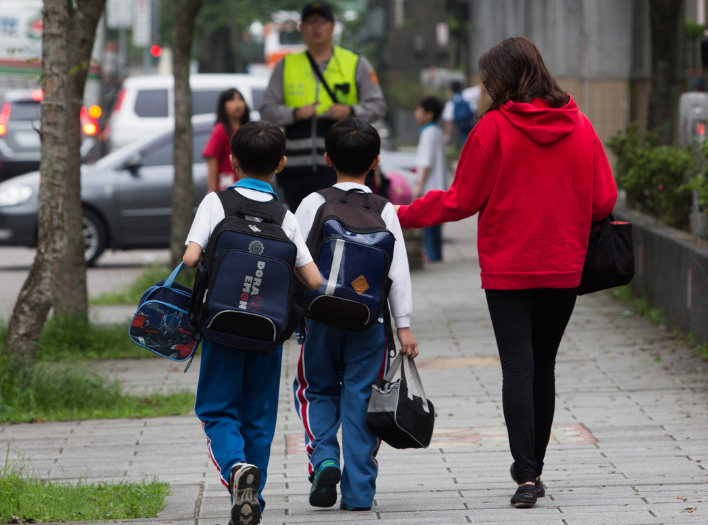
(609, 261)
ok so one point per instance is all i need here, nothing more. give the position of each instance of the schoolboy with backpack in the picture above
(247, 248)
(358, 246)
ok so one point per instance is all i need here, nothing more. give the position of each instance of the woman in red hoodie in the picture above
(537, 173)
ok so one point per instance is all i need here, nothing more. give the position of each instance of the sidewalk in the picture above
(629, 446)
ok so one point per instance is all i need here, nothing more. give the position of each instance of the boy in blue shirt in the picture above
(337, 367)
(237, 394)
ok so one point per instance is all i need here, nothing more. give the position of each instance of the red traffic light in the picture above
(156, 51)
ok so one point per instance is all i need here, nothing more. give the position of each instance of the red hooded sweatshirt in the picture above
(537, 176)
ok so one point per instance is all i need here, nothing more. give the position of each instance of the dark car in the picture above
(19, 137)
(126, 196)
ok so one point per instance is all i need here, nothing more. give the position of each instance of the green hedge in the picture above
(659, 179)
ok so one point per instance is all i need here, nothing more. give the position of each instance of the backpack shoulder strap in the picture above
(378, 203)
(236, 205)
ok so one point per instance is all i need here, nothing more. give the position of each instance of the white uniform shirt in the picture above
(470, 95)
(401, 293)
(211, 212)
(431, 155)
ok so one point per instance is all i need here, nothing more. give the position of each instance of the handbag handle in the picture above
(411, 371)
(171, 279)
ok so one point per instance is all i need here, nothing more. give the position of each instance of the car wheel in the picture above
(95, 237)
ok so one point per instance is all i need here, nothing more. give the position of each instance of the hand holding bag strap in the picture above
(171, 279)
(412, 371)
(316, 70)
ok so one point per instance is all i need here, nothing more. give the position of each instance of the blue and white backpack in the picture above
(242, 294)
(353, 250)
(161, 323)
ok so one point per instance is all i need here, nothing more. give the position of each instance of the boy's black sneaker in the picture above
(323, 492)
(525, 497)
(540, 489)
(245, 480)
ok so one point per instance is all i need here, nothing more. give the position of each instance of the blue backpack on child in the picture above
(243, 288)
(462, 115)
(353, 251)
(162, 323)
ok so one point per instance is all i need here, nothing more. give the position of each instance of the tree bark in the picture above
(666, 19)
(35, 299)
(183, 188)
(70, 297)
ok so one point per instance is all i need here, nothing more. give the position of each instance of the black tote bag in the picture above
(395, 414)
(609, 261)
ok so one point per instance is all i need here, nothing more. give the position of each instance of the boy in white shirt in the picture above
(237, 394)
(337, 367)
(430, 164)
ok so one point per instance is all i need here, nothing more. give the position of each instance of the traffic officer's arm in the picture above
(371, 105)
(274, 109)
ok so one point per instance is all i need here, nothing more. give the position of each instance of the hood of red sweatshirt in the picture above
(542, 124)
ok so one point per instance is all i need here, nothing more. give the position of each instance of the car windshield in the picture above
(29, 110)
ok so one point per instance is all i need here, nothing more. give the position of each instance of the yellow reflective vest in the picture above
(301, 87)
(305, 138)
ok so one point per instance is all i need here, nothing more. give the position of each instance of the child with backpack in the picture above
(460, 109)
(241, 306)
(346, 348)
(430, 163)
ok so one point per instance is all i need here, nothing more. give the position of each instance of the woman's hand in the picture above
(409, 346)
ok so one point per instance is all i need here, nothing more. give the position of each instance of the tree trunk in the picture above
(666, 18)
(35, 299)
(183, 188)
(70, 297)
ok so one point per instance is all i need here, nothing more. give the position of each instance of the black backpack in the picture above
(353, 250)
(243, 290)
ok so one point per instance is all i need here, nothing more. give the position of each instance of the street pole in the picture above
(122, 51)
(146, 60)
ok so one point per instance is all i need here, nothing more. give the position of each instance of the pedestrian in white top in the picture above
(430, 164)
(337, 367)
(237, 394)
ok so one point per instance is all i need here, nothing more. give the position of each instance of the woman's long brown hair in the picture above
(514, 70)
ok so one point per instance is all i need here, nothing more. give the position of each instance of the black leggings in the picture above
(529, 325)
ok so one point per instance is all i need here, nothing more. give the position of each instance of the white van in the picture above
(146, 103)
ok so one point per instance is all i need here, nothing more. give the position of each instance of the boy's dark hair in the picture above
(456, 86)
(431, 105)
(258, 147)
(352, 145)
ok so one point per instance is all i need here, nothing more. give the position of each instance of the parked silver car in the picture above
(127, 195)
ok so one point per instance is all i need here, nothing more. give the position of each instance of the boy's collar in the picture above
(257, 185)
(431, 123)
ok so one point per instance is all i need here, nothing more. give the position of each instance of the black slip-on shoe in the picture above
(524, 497)
(245, 481)
(540, 489)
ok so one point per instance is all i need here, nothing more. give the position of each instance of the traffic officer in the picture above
(311, 90)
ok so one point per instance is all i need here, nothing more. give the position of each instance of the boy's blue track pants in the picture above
(333, 386)
(237, 403)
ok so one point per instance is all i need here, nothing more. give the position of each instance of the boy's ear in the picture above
(328, 160)
(376, 162)
(234, 162)
(281, 164)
